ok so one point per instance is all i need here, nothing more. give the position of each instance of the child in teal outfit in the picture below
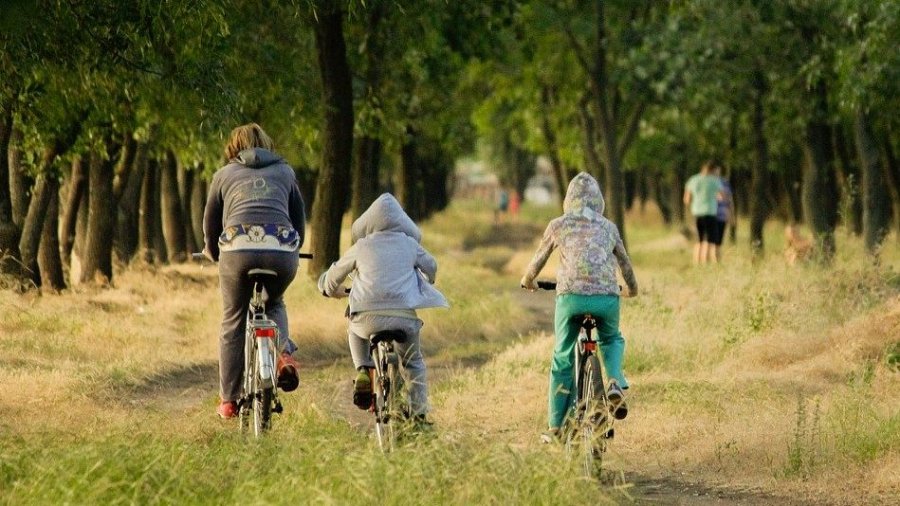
(590, 248)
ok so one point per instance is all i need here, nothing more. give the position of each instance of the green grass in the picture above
(308, 459)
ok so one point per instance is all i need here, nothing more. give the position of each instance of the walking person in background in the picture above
(702, 193)
(514, 202)
(254, 219)
(724, 214)
(590, 248)
(502, 205)
(392, 277)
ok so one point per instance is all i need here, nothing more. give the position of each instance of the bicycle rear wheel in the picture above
(396, 405)
(262, 411)
(383, 387)
(594, 419)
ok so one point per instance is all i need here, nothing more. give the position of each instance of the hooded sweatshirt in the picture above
(589, 245)
(391, 270)
(254, 202)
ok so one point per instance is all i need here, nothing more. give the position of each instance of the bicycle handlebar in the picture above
(202, 256)
(551, 285)
(546, 285)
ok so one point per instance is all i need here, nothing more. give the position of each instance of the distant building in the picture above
(472, 180)
(541, 188)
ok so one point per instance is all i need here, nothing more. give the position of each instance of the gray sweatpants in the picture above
(236, 292)
(363, 326)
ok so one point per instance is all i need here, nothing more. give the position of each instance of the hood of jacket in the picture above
(583, 198)
(256, 158)
(384, 215)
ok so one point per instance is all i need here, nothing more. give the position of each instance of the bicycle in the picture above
(259, 395)
(389, 404)
(589, 428)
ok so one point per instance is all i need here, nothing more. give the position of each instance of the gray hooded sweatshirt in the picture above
(256, 188)
(590, 245)
(391, 270)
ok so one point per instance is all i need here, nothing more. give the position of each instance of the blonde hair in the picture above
(247, 136)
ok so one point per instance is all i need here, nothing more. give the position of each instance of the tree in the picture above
(337, 139)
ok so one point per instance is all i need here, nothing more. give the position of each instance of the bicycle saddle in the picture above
(262, 272)
(587, 321)
(397, 336)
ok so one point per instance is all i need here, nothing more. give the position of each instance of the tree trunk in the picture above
(367, 160)
(875, 200)
(676, 191)
(791, 183)
(97, 259)
(146, 217)
(19, 182)
(366, 166)
(185, 189)
(435, 168)
(45, 186)
(49, 262)
(337, 140)
(658, 189)
(552, 145)
(198, 203)
(589, 147)
(849, 181)
(408, 176)
(172, 217)
(819, 189)
(892, 176)
(125, 166)
(9, 232)
(759, 175)
(129, 203)
(161, 252)
(75, 195)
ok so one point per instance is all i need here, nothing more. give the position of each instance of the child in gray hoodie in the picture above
(392, 277)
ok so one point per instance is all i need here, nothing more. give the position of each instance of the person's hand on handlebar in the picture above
(528, 284)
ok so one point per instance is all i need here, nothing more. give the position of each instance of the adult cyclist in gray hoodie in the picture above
(392, 277)
(254, 218)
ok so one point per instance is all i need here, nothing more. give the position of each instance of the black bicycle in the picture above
(589, 429)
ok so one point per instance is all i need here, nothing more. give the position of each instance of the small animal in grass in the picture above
(798, 248)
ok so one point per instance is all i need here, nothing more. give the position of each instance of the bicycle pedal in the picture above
(278, 407)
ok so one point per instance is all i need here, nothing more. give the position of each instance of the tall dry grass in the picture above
(750, 374)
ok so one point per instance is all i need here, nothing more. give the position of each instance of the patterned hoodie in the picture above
(391, 270)
(589, 245)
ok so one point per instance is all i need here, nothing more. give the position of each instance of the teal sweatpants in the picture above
(605, 309)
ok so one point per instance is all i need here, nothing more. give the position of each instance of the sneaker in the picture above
(550, 436)
(362, 389)
(421, 422)
(288, 380)
(227, 409)
(616, 397)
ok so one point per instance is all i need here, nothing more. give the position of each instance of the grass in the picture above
(752, 375)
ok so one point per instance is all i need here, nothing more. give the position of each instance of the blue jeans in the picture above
(605, 309)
